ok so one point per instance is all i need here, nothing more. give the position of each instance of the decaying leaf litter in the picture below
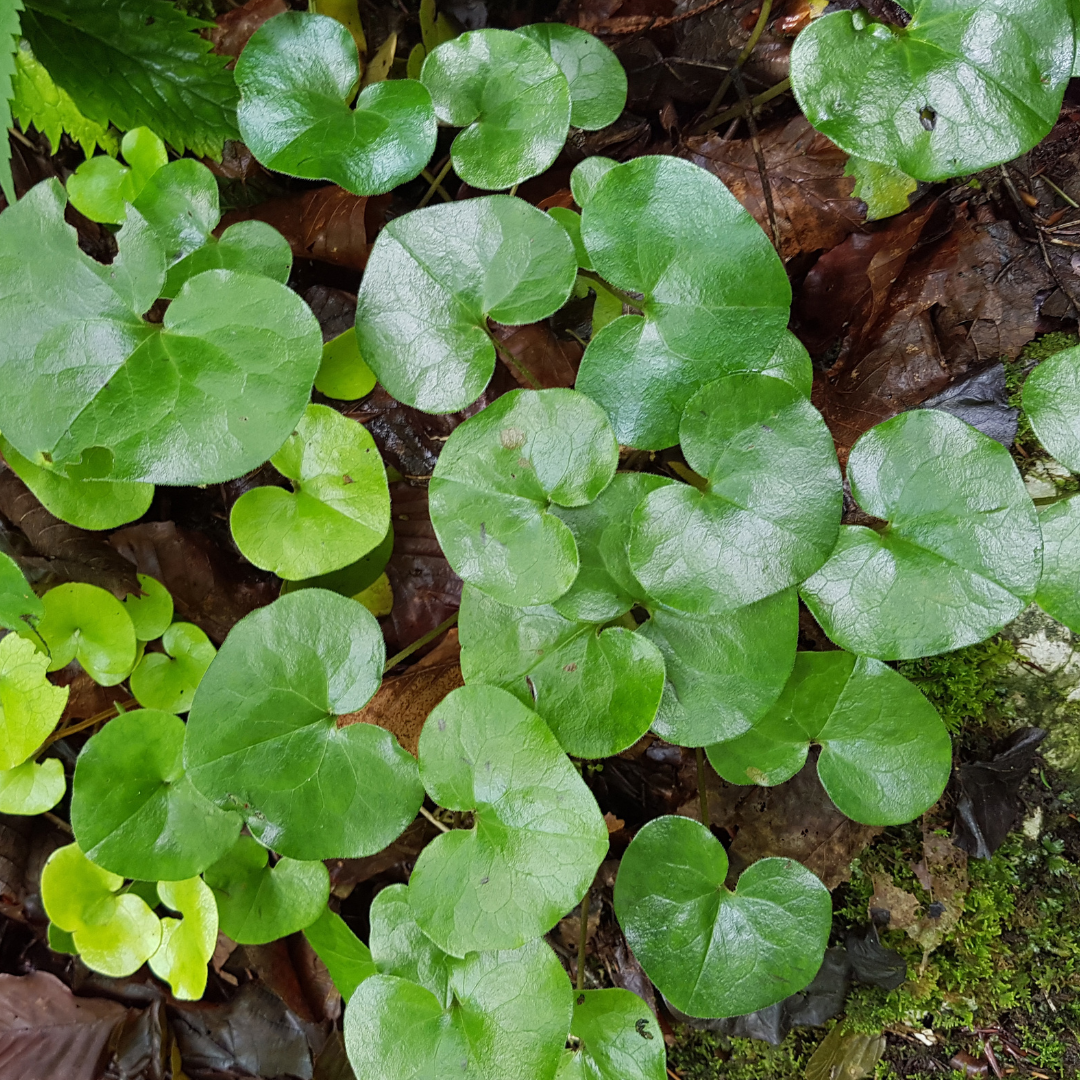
(933, 305)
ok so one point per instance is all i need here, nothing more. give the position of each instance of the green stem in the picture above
(702, 790)
(725, 86)
(740, 109)
(419, 643)
(435, 184)
(627, 298)
(583, 941)
(425, 812)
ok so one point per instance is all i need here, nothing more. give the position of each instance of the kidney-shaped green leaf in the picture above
(263, 736)
(711, 951)
(961, 555)
(86, 623)
(101, 187)
(152, 611)
(338, 510)
(168, 680)
(251, 247)
(617, 1036)
(187, 943)
(133, 808)
(30, 705)
(965, 85)
(769, 515)
(1059, 594)
(399, 947)
(498, 477)
(297, 76)
(1052, 404)
(715, 294)
(510, 97)
(434, 277)
(538, 836)
(885, 754)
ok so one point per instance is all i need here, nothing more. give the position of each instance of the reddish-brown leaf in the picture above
(537, 352)
(235, 27)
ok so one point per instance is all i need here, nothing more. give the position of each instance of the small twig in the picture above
(740, 110)
(513, 190)
(583, 940)
(110, 713)
(440, 177)
(1046, 180)
(441, 191)
(702, 790)
(63, 826)
(434, 820)
(627, 298)
(419, 643)
(763, 172)
(718, 97)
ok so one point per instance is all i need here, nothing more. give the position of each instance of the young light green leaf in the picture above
(257, 903)
(9, 43)
(188, 943)
(263, 736)
(1051, 399)
(152, 612)
(101, 187)
(770, 514)
(343, 374)
(715, 295)
(931, 98)
(617, 1036)
(1058, 594)
(133, 808)
(538, 837)
(586, 175)
(596, 79)
(960, 558)
(32, 787)
(885, 754)
(399, 947)
(30, 705)
(19, 604)
(598, 690)
(498, 477)
(338, 510)
(115, 933)
(885, 190)
(249, 247)
(88, 624)
(297, 76)
(511, 99)
(437, 274)
(723, 671)
(346, 957)
(713, 952)
(168, 680)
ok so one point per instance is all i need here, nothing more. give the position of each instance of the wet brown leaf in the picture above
(901, 905)
(334, 308)
(142, 1046)
(85, 697)
(235, 27)
(346, 874)
(536, 351)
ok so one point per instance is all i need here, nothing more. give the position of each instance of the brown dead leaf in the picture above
(85, 697)
(346, 874)
(899, 903)
(235, 27)
(537, 352)
(273, 964)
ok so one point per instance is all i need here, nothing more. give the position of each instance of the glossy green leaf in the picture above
(61, 941)
(88, 624)
(433, 278)
(723, 671)
(168, 680)
(86, 504)
(596, 79)
(769, 515)
(712, 951)
(353, 579)
(598, 690)
(297, 76)
(399, 947)
(617, 1036)
(791, 362)
(30, 706)
(496, 481)
(338, 510)
(263, 737)
(101, 187)
(716, 296)
(258, 903)
(511, 99)
(571, 222)
(249, 247)
(586, 175)
(885, 754)
(961, 555)
(133, 808)
(152, 612)
(509, 1018)
(343, 374)
(19, 604)
(885, 190)
(1059, 586)
(346, 957)
(206, 395)
(115, 932)
(188, 943)
(32, 787)
(965, 85)
(1052, 404)
(180, 203)
(538, 835)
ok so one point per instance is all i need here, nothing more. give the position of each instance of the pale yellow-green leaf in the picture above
(379, 67)
(31, 788)
(30, 705)
(188, 943)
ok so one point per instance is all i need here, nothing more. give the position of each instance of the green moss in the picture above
(704, 1055)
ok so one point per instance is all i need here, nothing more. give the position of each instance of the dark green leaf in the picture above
(9, 43)
(250, 247)
(571, 222)
(1058, 593)
(346, 957)
(180, 203)
(1052, 404)
(19, 604)
(617, 1036)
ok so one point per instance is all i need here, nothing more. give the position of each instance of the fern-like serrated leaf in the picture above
(136, 63)
(9, 39)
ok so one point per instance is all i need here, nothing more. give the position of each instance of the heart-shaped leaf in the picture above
(769, 515)
(88, 624)
(586, 175)
(1052, 404)
(711, 951)
(617, 1036)
(511, 99)
(885, 754)
(188, 943)
(19, 604)
(297, 76)
(961, 555)
(257, 903)
(598, 690)
(263, 737)
(399, 947)
(723, 671)
(168, 680)
(101, 187)
(30, 705)
(152, 612)
(32, 787)
(115, 933)
(343, 374)
(496, 480)
(250, 247)
(346, 957)
(133, 808)
(180, 204)
(1058, 594)
(716, 298)
(203, 397)
(596, 79)
(434, 277)
(538, 835)
(338, 510)
(965, 85)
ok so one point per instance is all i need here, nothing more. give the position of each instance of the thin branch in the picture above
(419, 643)
(583, 940)
(433, 819)
(718, 97)
(763, 172)
(511, 363)
(702, 790)
(436, 183)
